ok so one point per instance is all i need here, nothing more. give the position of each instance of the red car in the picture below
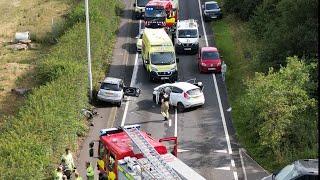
(209, 60)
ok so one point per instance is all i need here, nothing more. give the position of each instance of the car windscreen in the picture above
(212, 6)
(162, 58)
(210, 55)
(187, 33)
(194, 92)
(155, 12)
(289, 172)
(142, 3)
(111, 87)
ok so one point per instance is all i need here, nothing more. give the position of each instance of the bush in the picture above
(278, 118)
(32, 142)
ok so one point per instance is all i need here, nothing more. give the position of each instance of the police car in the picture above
(183, 94)
(112, 90)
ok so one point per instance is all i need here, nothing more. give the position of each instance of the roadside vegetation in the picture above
(32, 142)
(271, 51)
(40, 18)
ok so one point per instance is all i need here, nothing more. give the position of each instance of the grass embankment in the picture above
(31, 143)
(17, 67)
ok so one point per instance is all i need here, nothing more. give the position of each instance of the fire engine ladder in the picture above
(161, 170)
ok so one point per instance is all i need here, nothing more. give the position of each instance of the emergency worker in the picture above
(68, 159)
(223, 70)
(58, 173)
(100, 164)
(65, 168)
(165, 104)
(90, 171)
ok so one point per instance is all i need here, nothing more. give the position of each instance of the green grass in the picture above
(32, 142)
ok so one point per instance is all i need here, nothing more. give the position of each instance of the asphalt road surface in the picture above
(205, 135)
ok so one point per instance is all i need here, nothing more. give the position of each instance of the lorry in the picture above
(139, 8)
(158, 55)
(187, 36)
(160, 13)
(128, 153)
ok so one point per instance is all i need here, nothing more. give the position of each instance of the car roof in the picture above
(112, 80)
(211, 2)
(307, 166)
(185, 86)
(187, 24)
(209, 49)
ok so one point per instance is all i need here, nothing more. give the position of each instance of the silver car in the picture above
(112, 90)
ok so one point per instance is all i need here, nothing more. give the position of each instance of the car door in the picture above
(175, 95)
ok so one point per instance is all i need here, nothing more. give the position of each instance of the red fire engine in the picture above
(160, 13)
(128, 153)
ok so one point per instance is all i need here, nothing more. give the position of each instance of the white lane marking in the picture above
(232, 163)
(235, 174)
(169, 122)
(242, 164)
(221, 151)
(133, 80)
(222, 114)
(182, 150)
(204, 29)
(175, 122)
(223, 168)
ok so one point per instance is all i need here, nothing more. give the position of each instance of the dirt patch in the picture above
(17, 67)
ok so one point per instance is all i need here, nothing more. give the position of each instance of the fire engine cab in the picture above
(128, 153)
(160, 13)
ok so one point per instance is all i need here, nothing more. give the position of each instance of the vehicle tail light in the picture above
(185, 95)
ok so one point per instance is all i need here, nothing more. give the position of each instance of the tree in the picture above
(279, 114)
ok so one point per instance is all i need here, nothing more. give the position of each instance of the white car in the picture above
(139, 41)
(112, 90)
(183, 95)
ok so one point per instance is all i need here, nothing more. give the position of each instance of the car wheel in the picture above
(200, 69)
(119, 104)
(180, 107)
(154, 99)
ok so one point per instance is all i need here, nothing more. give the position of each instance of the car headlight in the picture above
(219, 64)
(203, 64)
(178, 42)
(205, 12)
(154, 69)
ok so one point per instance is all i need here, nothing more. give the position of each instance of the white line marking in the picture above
(133, 80)
(221, 151)
(175, 123)
(235, 175)
(223, 168)
(218, 96)
(182, 150)
(242, 164)
(169, 122)
(232, 163)
(222, 114)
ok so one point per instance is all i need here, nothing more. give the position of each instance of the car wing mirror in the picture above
(132, 91)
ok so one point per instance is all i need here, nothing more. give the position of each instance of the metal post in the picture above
(88, 49)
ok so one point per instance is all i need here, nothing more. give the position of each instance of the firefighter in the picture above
(100, 164)
(90, 171)
(223, 70)
(68, 159)
(165, 103)
(58, 173)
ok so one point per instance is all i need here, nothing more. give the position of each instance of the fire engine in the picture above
(128, 153)
(161, 13)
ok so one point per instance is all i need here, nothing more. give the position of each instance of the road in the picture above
(206, 137)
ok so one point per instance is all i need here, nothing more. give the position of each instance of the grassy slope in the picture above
(31, 142)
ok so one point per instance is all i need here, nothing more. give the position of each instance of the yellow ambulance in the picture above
(158, 55)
